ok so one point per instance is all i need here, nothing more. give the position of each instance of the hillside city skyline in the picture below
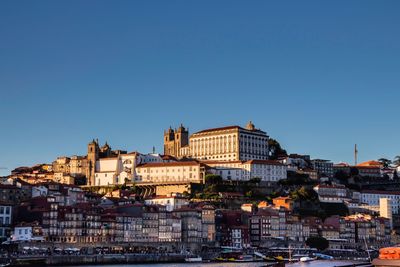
(163, 132)
(317, 77)
(159, 150)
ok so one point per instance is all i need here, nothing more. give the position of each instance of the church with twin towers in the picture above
(230, 143)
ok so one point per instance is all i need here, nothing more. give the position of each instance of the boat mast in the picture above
(366, 247)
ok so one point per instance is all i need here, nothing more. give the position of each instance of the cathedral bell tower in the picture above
(169, 140)
(174, 140)
(181, 139)
(92, 157)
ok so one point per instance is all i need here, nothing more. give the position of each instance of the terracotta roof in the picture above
(341, 164)
(167, 164)
(253, 161)
(380, 192)
(231, 127)
(219, 129)
(266, 162)
(370, 163)
(220, 162)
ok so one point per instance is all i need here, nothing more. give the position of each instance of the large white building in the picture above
(266, 170)
(372, 198)
(336, 193)
(171, 201)
(167, 172)
(117, 170)
(229, 143)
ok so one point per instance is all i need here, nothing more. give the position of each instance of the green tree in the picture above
(385, 162)
(213, 179)
(342, 176)
(396, 161)
(275, 149)
(249, 194)
(255, 180)
(354, 171)
(133, 188)
(317, 242)
(395, 175)
(304, 193)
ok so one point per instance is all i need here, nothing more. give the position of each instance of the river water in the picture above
(318, 263)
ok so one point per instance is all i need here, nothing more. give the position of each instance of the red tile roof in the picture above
(265, 162)
(219, 129)
(370, 163)
(253, 161)
(380, 192)
(167, 164)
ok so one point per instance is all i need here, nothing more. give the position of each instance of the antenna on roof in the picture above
(154, 149)
(355, 154)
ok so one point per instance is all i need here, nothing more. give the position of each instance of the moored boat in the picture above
(388, 257)
(306, 259)
(194, 259)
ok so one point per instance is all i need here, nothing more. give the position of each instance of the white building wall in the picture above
(218, 146)
(116, 170)
(165, 173)
(39, 191)
(373, 199)
(107, 165)
(105, 178)
(23, 233)
(171, 203)
(5, 220)
(244, 171)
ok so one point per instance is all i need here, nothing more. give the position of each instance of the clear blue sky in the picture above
(319, 76)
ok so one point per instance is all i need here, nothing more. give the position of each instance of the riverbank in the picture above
(166, 260)
(317, 263)
(57, 260)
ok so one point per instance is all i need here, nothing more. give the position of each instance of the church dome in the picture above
(250, 126)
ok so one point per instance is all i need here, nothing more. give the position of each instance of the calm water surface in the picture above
(231, 264)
